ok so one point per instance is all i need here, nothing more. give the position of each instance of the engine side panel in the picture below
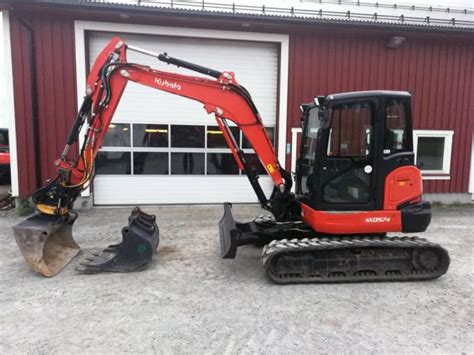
(402, 185)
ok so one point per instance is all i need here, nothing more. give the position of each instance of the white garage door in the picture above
(162, 148)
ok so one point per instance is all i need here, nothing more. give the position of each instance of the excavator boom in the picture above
(221, 95)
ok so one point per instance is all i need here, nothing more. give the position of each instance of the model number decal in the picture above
(168, 84)
(377, 219)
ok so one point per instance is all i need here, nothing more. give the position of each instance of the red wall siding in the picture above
(22, 95)
(56, 83)
(438, 73)
(437, 70)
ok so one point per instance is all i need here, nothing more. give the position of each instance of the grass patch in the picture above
(24, 206)
(438, 204)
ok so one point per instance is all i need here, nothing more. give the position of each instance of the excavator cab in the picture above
(355, 182)
(350, 143)
(357, 155)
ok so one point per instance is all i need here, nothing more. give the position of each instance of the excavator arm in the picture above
(221, 96)
(45, 238)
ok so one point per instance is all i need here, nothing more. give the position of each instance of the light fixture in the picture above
(112, 125)
(214, 132)
(395, 42)
(154, 130)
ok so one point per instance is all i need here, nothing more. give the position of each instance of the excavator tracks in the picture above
(353, 259)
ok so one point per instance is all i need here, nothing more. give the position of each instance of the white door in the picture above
(162, 148)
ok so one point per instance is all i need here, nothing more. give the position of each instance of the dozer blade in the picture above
(140, 239)
(46, 242)
(228, 233)
(234, 234)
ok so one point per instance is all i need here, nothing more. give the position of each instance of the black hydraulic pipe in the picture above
(191, 66)
(253, 178)
(81, 117)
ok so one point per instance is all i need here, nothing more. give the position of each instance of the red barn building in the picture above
(285, 56)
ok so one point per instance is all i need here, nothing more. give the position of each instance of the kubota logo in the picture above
(377, 219)
(167, 84)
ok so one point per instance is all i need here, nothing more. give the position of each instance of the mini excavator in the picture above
(356, 181)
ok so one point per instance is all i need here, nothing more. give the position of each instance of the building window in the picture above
(150, 135)
(433, 153)
(187, 163)
(150, 163)
(161, 149)
(118, 135)
(113, 163)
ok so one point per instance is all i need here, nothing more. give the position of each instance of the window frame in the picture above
(205, 150)
(444, 173)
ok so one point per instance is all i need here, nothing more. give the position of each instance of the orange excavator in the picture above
(355, 182)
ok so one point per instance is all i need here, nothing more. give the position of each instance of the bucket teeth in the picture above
(46, 242)
(140, 239)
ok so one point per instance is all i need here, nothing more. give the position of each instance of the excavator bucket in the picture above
(140, 239)
(46, 242)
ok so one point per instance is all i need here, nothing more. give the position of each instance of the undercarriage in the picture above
(293, 253)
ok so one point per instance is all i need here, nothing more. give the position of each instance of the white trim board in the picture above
(80, 27)
(294, 140)
(8, 97)
(471, 177)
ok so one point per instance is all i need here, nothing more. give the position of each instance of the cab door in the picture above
(347, 163)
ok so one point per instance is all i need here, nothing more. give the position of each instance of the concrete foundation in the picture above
(449, 198)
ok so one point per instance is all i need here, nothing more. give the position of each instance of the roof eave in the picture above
(289, 20)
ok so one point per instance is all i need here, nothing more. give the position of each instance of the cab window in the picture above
(350, 131)
(395, 134)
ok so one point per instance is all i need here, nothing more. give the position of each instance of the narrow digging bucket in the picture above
(46, 242)
(140, 239)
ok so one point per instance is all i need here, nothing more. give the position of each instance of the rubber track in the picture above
(352, 245)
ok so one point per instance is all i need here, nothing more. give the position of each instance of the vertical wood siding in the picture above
(23, 113)
(56, 87)
(438, 73)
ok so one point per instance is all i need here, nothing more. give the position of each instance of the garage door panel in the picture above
(256, 67)
(159, 107)
(113, 190)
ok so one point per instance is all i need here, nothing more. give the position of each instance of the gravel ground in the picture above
(191, 301)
